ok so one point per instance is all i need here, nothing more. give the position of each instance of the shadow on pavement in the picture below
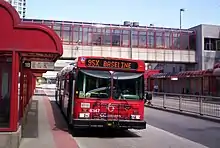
(104, 133)
(60, 121)
(30, 129)
(205, 129)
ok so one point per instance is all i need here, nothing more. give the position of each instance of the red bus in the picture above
(102, 92)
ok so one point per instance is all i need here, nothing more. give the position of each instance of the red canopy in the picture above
(32, 41)
(217, 65)
(194, 73)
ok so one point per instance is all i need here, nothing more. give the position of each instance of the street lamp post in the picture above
(131, 30)
(131, 25)
(181, 10)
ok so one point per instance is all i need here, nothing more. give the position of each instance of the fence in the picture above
(202, 105)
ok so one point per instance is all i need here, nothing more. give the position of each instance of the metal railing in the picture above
(201, 105)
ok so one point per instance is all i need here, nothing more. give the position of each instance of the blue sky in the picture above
(163, 13)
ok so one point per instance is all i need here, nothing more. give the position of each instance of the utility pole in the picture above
(181, 10)
(131, 25)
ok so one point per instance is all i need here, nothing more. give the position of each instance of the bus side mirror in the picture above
(74, 75)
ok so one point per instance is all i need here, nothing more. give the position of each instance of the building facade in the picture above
(196, 48)
(208, 45)
(151, 44)
(20, 6)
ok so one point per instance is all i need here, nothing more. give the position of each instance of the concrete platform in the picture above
(10, 139)
(41, 130)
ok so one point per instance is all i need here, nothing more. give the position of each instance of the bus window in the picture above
(93, 84)
(5, 92)
(128, 86)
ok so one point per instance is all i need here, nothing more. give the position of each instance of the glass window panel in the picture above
(106, 36)
(176, 40)
(142, 38)
(116, 37)
(126, 32)
(116, 31)
(96, 39)
(5, 93)
(48, 24)
(107, 39)
(116, 40)
(57, 26)
(108, 31)
(90, 29)
(171, 40)
(85, 29)
(131, 86)
(58, 32)
(80, 29)
(77, 36)
(184, 40)
(192, 42)
(125, 41)
(142, 32)
(99, 30)
(95, 86)
(135, 32)
(66, 36)
(85, 35)
(89, 38)
(159, 39)
(57, 29)
(76, 28)
(134, 40)
(94, 29)
(66, 27)
(167, 37)
(150, 39)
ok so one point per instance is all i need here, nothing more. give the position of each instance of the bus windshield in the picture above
(94, 84)
(128, 86)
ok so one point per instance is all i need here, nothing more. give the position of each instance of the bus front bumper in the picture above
(101, 123)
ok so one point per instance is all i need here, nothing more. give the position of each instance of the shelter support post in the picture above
(14, 92)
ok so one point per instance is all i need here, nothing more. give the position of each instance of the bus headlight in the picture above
(135, 117)
(84, 115)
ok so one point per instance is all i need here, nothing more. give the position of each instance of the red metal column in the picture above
(29, 78)
(21, 92)
(23, 96)
(14, 92)
(32, 92)
(28, 89)
(34, 83)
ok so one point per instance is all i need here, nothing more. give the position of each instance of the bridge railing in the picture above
(196, 104)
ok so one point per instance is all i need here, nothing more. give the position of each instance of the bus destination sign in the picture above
(107, 63)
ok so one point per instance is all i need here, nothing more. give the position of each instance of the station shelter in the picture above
(26, 51)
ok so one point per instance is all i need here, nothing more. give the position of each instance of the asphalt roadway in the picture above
(164, 129)
(198, 130)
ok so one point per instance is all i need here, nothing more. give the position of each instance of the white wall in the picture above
(153, 55)
(50, 74)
